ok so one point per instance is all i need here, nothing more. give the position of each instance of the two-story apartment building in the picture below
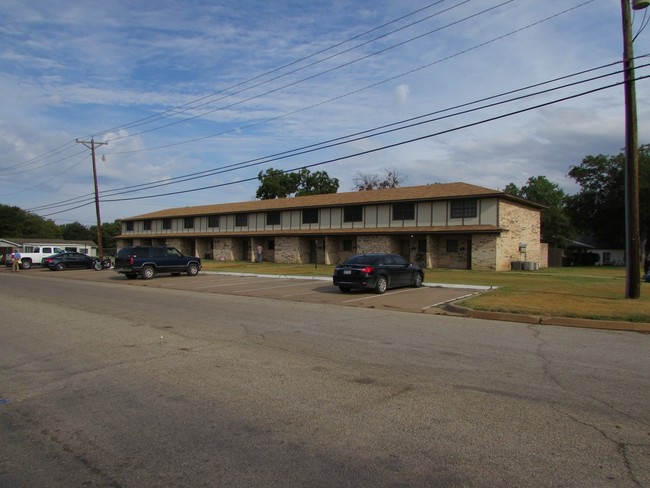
(441, 225)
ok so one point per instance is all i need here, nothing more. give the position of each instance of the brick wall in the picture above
(522, 226)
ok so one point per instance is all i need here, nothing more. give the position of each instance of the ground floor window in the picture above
(452, 245)
(348, 244)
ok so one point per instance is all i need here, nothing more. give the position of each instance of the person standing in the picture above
(260, 253)
(15, 256)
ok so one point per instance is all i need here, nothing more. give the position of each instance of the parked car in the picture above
(68, 260)
(378, 272)
(147, 261)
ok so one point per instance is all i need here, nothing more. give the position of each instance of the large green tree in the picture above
(15, 222)
(279, 184)
(599, 207)
(556, 227)
(109, 232)
(76, 231)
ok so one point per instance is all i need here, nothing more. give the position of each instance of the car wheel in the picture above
(344, 289)
(193, 269)
(26, 264)
(381, 285)
(131, 276)
(417, 280)
(59, 267)
(147, 272)
(97, 265)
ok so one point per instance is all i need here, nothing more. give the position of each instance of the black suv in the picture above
(147, 261)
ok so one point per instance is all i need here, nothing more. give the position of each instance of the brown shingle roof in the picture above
(435, 191)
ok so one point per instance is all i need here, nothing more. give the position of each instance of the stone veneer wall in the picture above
(288, 250)
(522, 225)
(223, 249)
(376, 243)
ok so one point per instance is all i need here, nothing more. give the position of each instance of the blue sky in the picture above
(205, 95)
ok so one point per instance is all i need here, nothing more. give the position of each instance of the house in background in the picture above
(587, 250)
(450, 225)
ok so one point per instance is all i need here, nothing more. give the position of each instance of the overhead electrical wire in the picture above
(389, 146)
(177, 109)
(354, 92)
(347, 138)
(483, 121)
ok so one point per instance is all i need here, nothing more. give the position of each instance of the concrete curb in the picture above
(453, 309)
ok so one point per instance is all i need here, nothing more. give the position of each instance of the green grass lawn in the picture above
(595, 292)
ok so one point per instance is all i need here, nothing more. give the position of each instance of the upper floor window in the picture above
(167, 224)
(463, 208)
(310, 216)
(403, 211)
(213, 221)
(188, 223)
(241, 220)
(146, 225)
(353, 213)
(272, 218)
(129, 226)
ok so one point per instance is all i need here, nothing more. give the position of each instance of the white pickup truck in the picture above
(31, 255)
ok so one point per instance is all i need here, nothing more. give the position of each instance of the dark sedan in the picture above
(378, 272)
(68, 260)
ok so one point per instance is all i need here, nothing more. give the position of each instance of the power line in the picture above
(385, 147)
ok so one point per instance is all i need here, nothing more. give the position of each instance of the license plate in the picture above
(347, 271)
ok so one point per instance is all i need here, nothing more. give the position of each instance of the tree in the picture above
(15, 222)
(76, 231)
(317, 183)
(367, 181)
(279, 184)
(599, 208)
(556, 227)
(109, 232)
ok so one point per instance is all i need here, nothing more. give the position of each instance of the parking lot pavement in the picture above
(427, 299)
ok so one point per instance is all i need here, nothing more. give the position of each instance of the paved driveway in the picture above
(426, 299)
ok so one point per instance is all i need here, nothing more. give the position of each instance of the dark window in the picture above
(353, 214)
(146, 225)
(465, 208)
(403, 211)
(422, 245)
(167, 223)
(310, 216)
(347, 245)
(452, 245)
(241, 220)
(213, 221)
(272, 218)
(188, 223)
(270, 245)
(129, 226)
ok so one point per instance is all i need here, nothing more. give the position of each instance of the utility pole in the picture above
(91, 145)
(632, 235)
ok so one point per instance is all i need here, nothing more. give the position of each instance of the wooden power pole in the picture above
(91, 145)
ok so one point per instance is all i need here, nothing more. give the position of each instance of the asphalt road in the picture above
(107, 384)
